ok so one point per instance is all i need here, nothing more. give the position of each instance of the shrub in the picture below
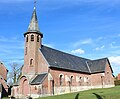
(117, 82)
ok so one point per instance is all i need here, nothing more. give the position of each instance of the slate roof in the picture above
(97, 65)
(39, 79)
(62, 60)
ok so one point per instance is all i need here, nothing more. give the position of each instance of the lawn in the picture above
(108, 93)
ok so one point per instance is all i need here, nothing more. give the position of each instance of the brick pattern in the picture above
(31, 52)
(3, 78)
(3, 71)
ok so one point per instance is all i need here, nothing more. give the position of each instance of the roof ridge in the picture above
(65, 52)
(99, 59)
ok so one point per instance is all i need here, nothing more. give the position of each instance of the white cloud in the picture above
(115, 60)
(100, 48)
(78, 51)
(114, 45)
(87, 41)
(83, 42)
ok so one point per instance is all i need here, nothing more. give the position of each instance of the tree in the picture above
(15, 73)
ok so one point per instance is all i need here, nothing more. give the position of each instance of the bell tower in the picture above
(33, 41)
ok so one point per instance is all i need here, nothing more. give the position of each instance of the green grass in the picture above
(109, 93)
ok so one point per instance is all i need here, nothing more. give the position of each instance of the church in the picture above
(48, 71)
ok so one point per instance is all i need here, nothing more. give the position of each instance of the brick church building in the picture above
(48, 71)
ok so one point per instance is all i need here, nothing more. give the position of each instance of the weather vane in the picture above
(34, 4)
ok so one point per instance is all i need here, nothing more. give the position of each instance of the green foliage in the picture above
(117, 82)
(105, 93)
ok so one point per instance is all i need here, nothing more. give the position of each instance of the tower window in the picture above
(31, 62)
(26, 51)
(27, 38)
(32, 37)
(38, 39)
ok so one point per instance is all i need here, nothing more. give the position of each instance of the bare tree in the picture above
(15, 73)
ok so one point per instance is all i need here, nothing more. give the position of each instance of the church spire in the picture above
(33, 26)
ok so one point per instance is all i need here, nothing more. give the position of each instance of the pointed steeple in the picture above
(33, 26)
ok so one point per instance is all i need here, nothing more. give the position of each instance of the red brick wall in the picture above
(56, 73)
(31, 52)
(105, 78)
(42, 64)
(3, 71)
(109, 79)
(39, 63)
(40, 89)
(4, 83)
(118, 77)
(97, 79)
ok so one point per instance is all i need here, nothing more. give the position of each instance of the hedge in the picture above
(117, 82)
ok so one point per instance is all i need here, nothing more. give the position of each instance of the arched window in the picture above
(35, 87)
(71, 79)
(31, 62)
(61, 80)
(87, 80)
(80, 80)
(27, 38)
(38, 39)
(32, 37)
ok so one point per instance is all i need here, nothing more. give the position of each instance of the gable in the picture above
(108, 67)
(97, 65)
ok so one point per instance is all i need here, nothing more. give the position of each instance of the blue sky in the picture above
(87, 28)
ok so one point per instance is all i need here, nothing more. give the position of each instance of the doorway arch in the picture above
(25, 87)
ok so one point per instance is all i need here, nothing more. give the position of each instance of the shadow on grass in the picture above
(77, 96)
(98, 96)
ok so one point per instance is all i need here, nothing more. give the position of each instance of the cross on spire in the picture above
(35, 4)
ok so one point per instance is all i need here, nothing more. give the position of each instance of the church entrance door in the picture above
(25, 88)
